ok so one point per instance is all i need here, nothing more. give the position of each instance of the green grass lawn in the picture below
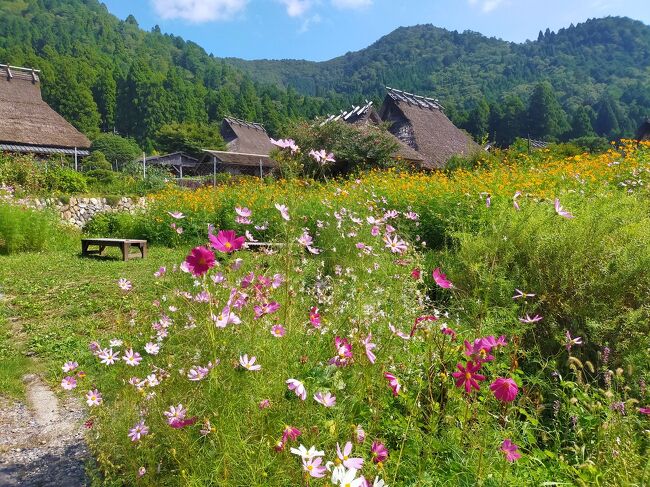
(53, 303)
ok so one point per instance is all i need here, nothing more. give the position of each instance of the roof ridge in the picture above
(10, 71)
(252, 125)
(413, 99)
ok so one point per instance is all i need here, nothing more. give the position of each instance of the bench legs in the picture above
(125, 248)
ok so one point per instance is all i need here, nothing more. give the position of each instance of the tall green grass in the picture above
(26, 230)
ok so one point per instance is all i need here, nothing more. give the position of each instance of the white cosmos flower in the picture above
(307, 454)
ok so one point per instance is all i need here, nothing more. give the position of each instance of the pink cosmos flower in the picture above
(504, 390)
(510, 450)
(395, 244)
(369, 346)
(441, 279)
(480, 350)
(142, 471)
(266, 308)
(107, 356)
(200, 260)
(244, 212)
(132, 358)
(176, 214)
(152, 348)
(138, 431)
(393, 382)
(298, 388)
(416, 273)
(226, 241)
(286, 144)
(160, 272)
(325, 399)
(374, 231)
(379, 452)
(411, 216)
(249, 364)
(344, 457)
(571, 341)
(467, 377)
(321, 156)
(124, 284)
(448, 331)
(398, 333)
(278, 331)
(359, 434)
(313, 467)
(69, 383)
(419, 320)
(521, 294)
(290, 433)
(527, 319)
(94, 398)
(175, 414)
(226, 317)
(284, 211)
(264, 404)
(182, 423)
(197, 373)
(644, 410)
(514, 200)
(343, 352)
(69, 366)
(314, 317)
(561, 211)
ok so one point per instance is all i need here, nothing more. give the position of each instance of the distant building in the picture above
(426, 137)
(180, 162)
(643, 134)
(28, 124)
(421, 124)
(247, 150)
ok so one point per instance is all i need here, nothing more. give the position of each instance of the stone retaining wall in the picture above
(79, 211)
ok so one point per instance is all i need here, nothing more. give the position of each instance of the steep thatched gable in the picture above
(26, 120)
(245, 137)
(421, 124)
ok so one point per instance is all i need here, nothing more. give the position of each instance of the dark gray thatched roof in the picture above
(643, 134)
(245, 137)
(238, 159)
(26, 120)
(420, 123)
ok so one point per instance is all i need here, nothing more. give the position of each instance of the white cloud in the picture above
(309, 21)
(353, 4)
(198, 10)
(486, 6)
(296, 8)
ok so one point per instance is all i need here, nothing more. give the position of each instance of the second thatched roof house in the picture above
(27, 123)
(420, 123)
(247, 149)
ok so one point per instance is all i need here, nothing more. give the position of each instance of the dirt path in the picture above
(41, 442)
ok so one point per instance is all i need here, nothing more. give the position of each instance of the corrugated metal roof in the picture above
(30, 149)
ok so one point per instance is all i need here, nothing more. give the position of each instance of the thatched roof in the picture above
(26, 120)
(643, 134)
(420, 123)
(238, 159)
(245, 137)
(357, 115)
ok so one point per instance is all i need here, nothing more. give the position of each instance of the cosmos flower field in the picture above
(488, 327)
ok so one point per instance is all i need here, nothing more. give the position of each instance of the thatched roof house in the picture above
(247, 150)
(27, 123)
(421, 124)
(643, 134)
(245, 137)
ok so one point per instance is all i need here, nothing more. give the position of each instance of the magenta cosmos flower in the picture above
(379, 452)
(226, 241)
(314, 317)
(644, 410)
(69, 383)
(441, 279)
(467, 377)
(393, 382)
(510, 450)
(200, 260)
(278, 331)
(504, 389)
(343, 352)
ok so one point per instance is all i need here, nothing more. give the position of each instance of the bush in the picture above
(26, 230)
(101, 177)
(117, 150)
(66, 181)
(97, 160)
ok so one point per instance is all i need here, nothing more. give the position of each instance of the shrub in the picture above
(67, 181)
(118, 150)
(101, 177)
(97, 161)
(26, 230)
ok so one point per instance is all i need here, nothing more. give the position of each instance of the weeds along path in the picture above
(42, 442)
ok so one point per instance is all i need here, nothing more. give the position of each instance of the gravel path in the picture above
(41, 442)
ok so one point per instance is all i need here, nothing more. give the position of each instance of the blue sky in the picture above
(322, 29)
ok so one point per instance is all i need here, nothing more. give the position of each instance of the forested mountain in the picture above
(102, 73)
(106, 74)
(599, 69)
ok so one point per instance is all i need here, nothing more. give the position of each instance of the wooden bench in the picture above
(122, 243)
